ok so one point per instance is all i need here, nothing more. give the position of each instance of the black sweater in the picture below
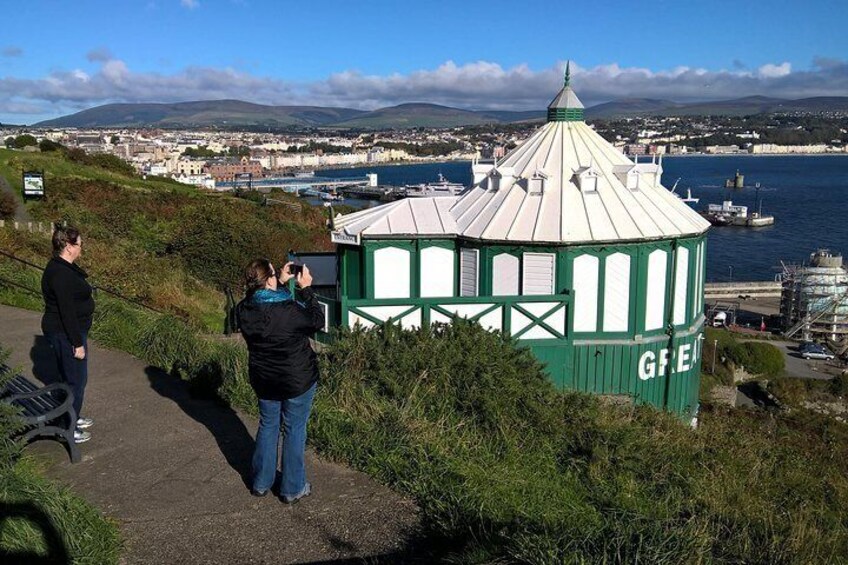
(68, 301)
(281, 363)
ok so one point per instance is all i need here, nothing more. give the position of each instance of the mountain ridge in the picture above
(230, 113)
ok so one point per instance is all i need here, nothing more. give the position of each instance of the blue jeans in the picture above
(292, 414)
(72, 371)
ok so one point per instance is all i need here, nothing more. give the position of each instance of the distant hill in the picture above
(630, 107)
(218, 113)
(748, 105)
(416, 115)
(235, 113)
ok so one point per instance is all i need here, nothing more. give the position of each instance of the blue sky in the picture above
(58, 57)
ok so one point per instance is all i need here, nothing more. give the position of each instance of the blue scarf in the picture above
(267, 296)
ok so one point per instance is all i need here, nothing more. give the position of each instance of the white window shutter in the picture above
(539, 273)
(505, 275)
(468, 261)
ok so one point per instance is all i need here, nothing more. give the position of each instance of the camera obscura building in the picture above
(565, 244)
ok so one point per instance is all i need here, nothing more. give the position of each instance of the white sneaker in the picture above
(81, 436)
(83, 423)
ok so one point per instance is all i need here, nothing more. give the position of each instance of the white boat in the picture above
(689, 197)
(443, 187)
(729, 214)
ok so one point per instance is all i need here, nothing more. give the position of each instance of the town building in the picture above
(565, 244)
(226, 169)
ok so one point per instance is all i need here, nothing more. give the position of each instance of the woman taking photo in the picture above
(68, 311)
(283, 372)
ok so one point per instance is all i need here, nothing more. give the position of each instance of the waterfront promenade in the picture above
(171, 470)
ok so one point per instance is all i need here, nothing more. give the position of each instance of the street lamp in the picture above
(715, 348)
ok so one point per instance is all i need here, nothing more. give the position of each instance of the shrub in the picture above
(8, 205)
(507, 469)
(9, 424)
(759, 358)
(839, 385)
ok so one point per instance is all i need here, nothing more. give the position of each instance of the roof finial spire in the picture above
(567, 78)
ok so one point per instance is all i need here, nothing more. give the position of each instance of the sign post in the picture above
(33, 184)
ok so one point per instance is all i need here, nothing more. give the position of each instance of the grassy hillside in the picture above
(504, 468)
(163, 243)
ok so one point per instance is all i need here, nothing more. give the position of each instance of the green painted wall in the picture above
(600, 362)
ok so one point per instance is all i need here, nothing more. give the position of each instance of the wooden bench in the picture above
(44, 411)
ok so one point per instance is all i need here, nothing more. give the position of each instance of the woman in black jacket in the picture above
(283, 372)
(68, 311)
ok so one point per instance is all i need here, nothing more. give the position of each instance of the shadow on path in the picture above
(28, 512)
(43, 361)
(230, 433)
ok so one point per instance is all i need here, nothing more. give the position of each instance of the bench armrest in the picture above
(65, 406)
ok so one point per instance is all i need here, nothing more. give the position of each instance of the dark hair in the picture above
(64, 236)
(256, 274)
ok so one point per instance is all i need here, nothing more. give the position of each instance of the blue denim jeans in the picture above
(72, 371)
(292, 415)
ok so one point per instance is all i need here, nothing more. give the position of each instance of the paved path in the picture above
(171, 468)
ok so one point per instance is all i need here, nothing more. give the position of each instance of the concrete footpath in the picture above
(172, 470)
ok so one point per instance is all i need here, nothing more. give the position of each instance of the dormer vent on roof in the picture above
(536, 183)
(480, 171)
(502, 178)
(586, 179)
(628, 175)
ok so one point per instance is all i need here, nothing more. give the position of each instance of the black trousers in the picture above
(72, 371)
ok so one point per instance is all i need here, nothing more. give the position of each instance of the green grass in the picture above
(39, 520)
(508, 469)
(33, 506)
(13, 163)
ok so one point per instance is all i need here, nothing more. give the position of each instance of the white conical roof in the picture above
(581, 194)
(564, 185)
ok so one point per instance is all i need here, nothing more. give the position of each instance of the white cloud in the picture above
(477, 85)
(190, 4)
(774, 71)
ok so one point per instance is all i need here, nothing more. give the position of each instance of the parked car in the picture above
(815, 351)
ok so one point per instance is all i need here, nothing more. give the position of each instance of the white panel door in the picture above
(681, 286)
(391, 273)
(437, 272)
(539, 273)
(696, 289)
(655, 290)
(468, 259)
(617, 293)
(586, 293)
(505, 275)
(702, 277)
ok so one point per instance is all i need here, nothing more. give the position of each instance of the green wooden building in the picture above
(566, 244)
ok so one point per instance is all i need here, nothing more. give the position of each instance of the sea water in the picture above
(807, 195)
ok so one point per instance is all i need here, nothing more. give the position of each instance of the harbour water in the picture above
(808, 195)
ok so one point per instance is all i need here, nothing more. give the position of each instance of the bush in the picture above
(8, 205)
(839, 385)
(507, 469)
(9, 447)
(759, 358)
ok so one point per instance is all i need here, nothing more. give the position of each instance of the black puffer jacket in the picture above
(68, 302)
(282, 364)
